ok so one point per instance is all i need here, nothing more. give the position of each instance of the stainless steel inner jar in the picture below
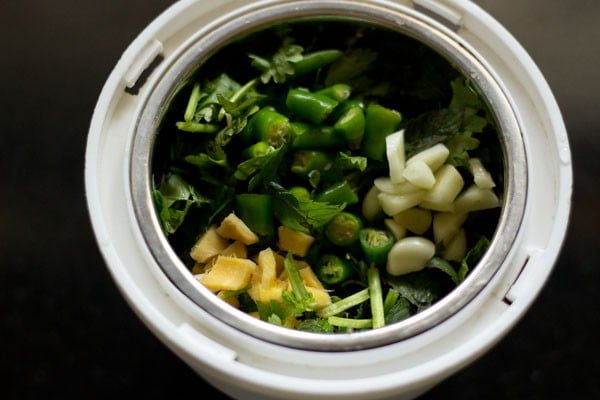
(236, 25)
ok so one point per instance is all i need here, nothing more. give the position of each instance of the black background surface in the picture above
(66, 332)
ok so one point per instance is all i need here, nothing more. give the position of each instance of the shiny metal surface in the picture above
(379, 13)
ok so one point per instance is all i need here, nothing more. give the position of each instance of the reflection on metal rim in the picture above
(382, 14)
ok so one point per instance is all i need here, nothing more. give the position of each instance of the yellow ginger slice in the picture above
(297, 243)
(232, 227)
(268, 267)
(310, 278)
(209, 245)
(321, 297)
(228, 273)
(236, 249)
(273, 292)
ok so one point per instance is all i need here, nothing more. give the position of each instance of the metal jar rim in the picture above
(377, 13)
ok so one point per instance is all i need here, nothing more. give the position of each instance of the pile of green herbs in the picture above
(198, 167)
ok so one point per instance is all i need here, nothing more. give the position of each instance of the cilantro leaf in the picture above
(299, 298)
(173, 199)
(261, 169)
(279, 67)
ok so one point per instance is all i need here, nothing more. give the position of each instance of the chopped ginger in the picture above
(209, 245)
(228, 273)
(297, 243)
(232, 227)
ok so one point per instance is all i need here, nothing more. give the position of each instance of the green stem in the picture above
(190, 110)
(344, 304)
(376, 296)
(350, 322)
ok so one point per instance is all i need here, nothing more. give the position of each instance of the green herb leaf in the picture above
(472, 257)
(399, 311)
(301, 214)
(299, 298)
(316, 325)
(261, 169)
(173, 199)
(444, 266)
(280, 66)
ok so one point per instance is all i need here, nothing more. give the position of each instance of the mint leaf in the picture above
(444, 266)
(301, 214)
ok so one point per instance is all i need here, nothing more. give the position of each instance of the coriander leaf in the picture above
(459, 145)
(173, 199)
(464, 95)
(317, 325)
(261, 169)
(280, 66)
(299, 298)
(274, 312)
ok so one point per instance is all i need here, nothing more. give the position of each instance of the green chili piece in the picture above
(312, 107)
(343, 229)
(269, 126)
(305, 161)
(339, 91)
(308, 136)
(352, 126)
(313, 61)
(379, 123)
(256, 150)
(338, 193)
(332, 270)
(375, 244)
(256, 210)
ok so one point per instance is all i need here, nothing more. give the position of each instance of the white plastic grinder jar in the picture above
(247, 358)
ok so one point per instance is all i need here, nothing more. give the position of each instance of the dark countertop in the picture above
(66, 332)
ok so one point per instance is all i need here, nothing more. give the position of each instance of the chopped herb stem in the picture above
(344, 304)
(376, 296)
(195, 127)
(350, 322)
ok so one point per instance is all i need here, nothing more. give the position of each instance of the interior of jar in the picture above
(418, 65)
